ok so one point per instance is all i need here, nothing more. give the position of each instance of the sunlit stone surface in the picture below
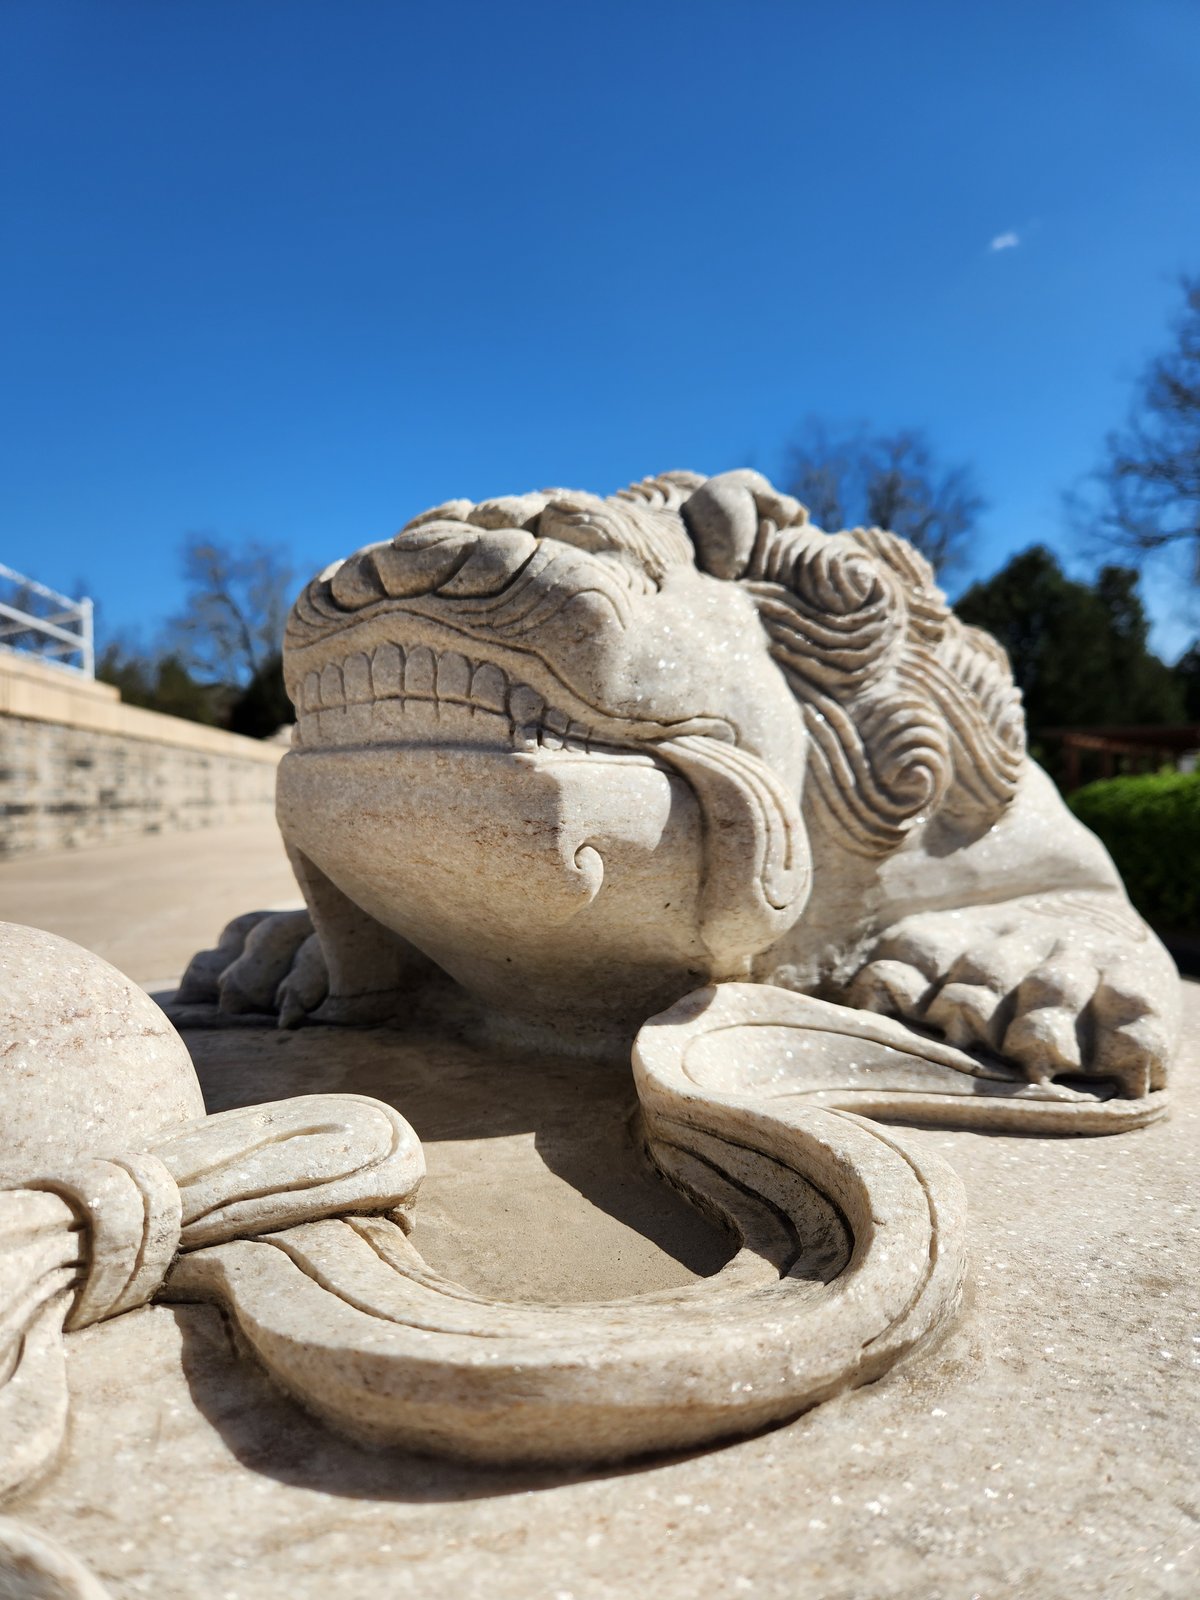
(1046, 1447)
(673, 773)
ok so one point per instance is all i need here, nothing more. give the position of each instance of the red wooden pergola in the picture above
(1124, 749)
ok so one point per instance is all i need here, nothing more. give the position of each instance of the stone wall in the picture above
(78, 767)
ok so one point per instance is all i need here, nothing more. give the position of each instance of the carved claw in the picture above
(304, 986)
(892, 988)
(199, 984)
(1044, 1042)
(265, 962)
(967, 1014)
(252, 981)
(1042, 987)
(1135, 1054)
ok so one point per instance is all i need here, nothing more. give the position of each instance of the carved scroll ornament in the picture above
(101, 1236)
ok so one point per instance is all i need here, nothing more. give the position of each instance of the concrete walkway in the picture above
(148, 903)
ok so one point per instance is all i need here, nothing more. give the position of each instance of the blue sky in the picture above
(292, 271)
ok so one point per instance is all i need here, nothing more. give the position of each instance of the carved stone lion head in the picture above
(585, 747)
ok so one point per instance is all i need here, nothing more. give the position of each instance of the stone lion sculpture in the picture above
(585, 754)
(675, 752)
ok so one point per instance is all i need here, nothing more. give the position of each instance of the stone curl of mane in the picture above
(910, 712)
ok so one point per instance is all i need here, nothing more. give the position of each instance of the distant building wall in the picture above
(78, 767)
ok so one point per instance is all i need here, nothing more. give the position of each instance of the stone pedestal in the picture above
(1046, 1447)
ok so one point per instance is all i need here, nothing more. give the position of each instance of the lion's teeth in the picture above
(420, 671)
(333, 691)
(359, 721)
(391, 691)
(387, 671)
(357, 674)
(489, 687)
(453, 676)
(388, 717)
(356, 670)
(525, 706)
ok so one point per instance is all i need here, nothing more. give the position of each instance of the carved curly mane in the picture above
(910, 712)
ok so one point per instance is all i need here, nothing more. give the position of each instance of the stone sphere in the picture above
(89, 1065)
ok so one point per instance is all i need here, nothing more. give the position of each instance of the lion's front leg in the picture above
(368, 973)
(329, 963)
(264, 962)
(1067, 982)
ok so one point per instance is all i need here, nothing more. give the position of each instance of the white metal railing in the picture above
(42, 622)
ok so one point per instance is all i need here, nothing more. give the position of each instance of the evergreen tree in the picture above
(161, 683)
(1078, 651)
(1187, 675)
(262, 707)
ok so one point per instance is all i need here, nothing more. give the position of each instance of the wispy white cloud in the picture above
(1005, 241)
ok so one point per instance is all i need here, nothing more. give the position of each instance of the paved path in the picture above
(147, 904)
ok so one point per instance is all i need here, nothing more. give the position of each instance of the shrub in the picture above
(1150, 825)
(262, 706)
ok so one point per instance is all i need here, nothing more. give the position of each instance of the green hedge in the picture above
(1150, 825)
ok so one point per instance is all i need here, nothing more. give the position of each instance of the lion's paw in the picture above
(265, 963)
(1061, 985)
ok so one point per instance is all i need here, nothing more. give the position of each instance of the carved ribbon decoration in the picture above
(752, 1101)
(100, 1237)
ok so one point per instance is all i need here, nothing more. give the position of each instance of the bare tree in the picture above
(893, 481)
(1146, 497)
(237, 603)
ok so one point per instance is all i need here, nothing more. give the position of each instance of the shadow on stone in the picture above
(527, 1155)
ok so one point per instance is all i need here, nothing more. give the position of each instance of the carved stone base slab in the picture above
(1045, 1447)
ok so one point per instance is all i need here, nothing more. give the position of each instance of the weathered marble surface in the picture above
(1048, 1447)
(90, 1062)
(561, 762)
